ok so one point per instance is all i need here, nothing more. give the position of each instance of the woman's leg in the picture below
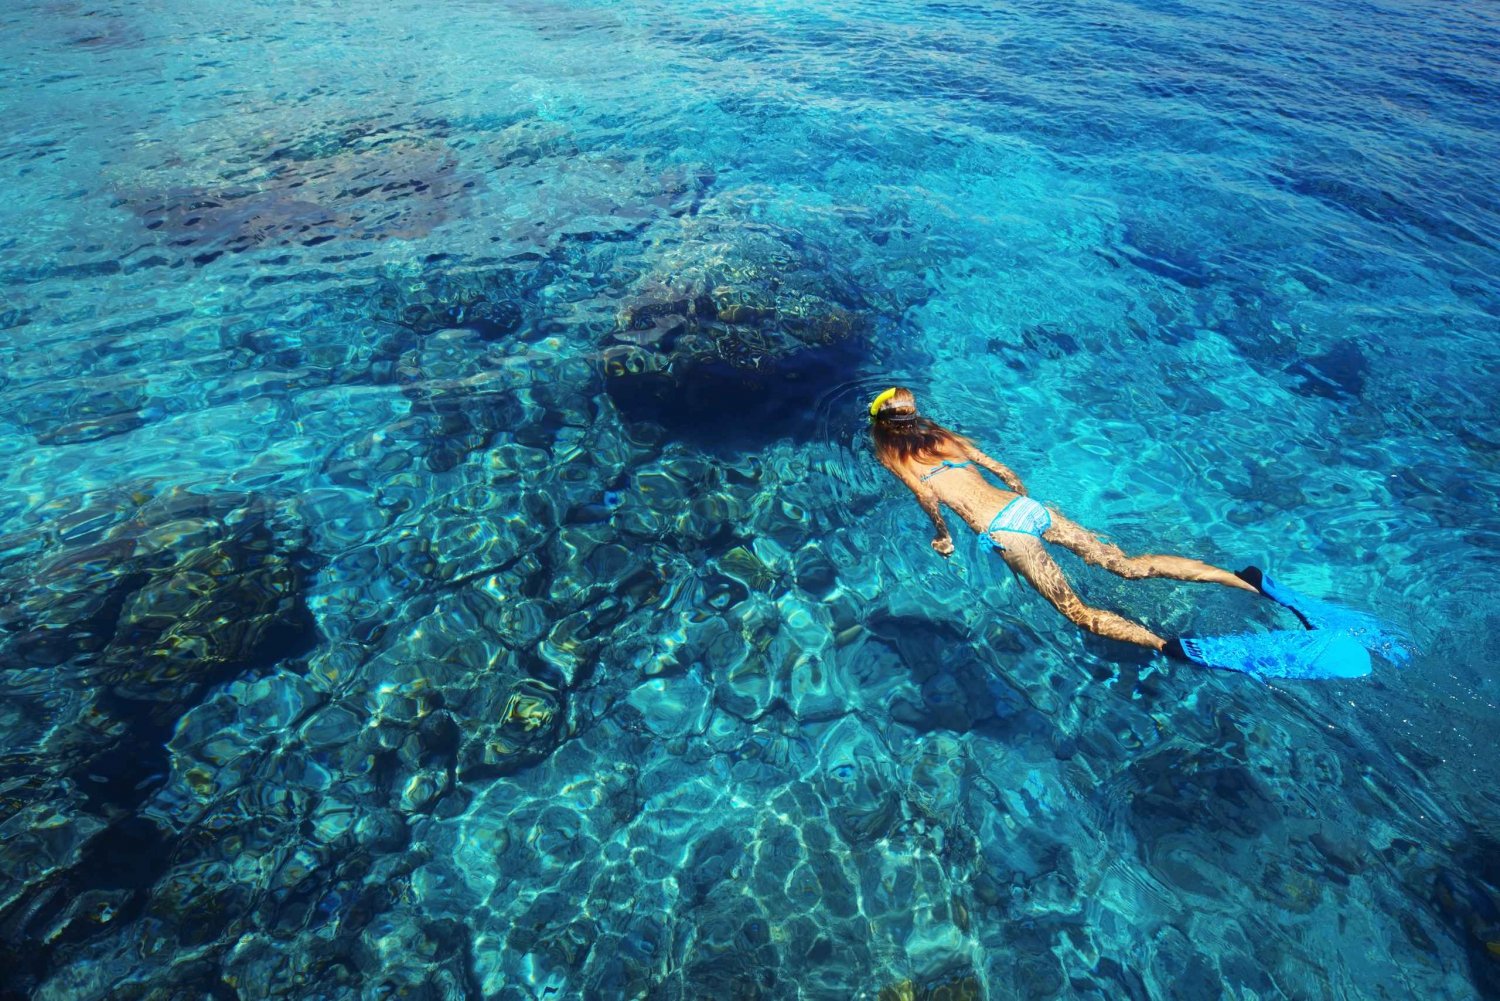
(1027, 557)
(1074, 536)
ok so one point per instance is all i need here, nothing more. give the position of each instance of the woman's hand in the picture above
(943, 546)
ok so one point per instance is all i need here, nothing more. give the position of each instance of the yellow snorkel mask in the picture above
(879, 401)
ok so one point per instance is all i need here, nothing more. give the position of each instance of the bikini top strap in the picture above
(946, 464)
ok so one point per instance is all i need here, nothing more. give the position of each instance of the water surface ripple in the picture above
(440, 556)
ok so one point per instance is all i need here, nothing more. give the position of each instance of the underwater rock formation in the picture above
(94, 29)
(457, 337)
(69, 415)
(960, 988)
(738, 323)
(136, 593)
(118, 617)
(440, 329)
(375, 182)
(1337, 374)
(528, 728)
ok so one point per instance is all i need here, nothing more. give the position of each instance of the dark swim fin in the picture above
(1257, 579)
(1367, 630)
(1286, 654)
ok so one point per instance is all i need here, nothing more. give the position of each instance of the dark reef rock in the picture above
(1179, 787)
(70, 414)
(118, 618)
(1336, 374)
(373, 183)
(1466, 897)
(964, 987)
(489, 299)
(739, 326)
(446, 331)
(528, 729)
(163, 599)
(1152, 247)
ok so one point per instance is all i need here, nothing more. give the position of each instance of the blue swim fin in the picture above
(1367, 630)
(1286, 654)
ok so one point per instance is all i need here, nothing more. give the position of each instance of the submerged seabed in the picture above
(441, 557)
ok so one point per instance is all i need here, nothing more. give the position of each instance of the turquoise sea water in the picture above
(440, 555)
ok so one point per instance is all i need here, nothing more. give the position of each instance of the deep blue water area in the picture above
(441, 555)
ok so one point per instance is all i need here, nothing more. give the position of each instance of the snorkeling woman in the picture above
(943, 468)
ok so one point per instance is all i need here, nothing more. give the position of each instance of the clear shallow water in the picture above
(366, 634)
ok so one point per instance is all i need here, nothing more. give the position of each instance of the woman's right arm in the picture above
(942, 542)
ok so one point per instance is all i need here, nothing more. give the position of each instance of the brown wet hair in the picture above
(902, 434)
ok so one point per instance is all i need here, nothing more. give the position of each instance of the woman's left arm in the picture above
(1000, 469)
